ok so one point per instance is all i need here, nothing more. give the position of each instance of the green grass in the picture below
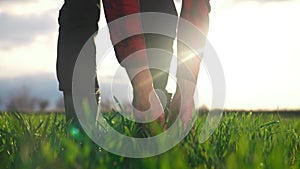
(241, 141)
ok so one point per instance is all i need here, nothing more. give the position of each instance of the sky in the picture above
(256, 42)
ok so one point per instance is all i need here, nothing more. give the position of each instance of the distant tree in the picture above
(60, 104)
(204, 109)
(20, 101)
(0, 104)
(43, 104)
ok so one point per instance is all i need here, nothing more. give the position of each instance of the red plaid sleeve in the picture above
(115, 9)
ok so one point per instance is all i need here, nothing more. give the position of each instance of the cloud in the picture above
(4, 2)
(23, 20)
(261, 1)
(15, 1)
(18, 30)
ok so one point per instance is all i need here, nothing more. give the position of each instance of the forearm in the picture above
(190, 51)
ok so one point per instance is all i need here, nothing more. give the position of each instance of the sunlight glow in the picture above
(257, 43)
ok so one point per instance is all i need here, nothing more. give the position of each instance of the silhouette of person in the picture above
(78, 20)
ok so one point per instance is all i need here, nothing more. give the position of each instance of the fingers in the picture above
(183, 104)
(147, 107)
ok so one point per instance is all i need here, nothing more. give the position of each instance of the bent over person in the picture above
(78, 20)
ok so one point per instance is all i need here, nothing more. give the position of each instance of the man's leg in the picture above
(160, 63)
(78, 21)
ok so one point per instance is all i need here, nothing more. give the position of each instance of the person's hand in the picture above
(183, 102)
(147, 106)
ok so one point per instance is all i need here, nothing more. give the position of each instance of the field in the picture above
(242, 140)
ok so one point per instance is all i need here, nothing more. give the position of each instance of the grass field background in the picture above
(242, 140)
